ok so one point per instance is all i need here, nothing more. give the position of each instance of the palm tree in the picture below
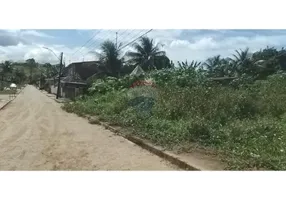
(242, 56)
(109, 58)
(242, 62)
(145, 54)
(212, 63)
(192, 65)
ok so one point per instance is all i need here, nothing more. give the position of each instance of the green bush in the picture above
(245, 124)
(254, 144)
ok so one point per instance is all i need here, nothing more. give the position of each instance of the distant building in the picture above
(74, 78)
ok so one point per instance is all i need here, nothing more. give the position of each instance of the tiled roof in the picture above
(83, 69)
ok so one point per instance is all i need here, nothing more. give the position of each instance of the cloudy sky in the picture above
(180, 45)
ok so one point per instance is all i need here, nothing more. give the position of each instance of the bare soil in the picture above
(36, 134)
(4, 98)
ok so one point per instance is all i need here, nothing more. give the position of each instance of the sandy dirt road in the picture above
(36, 134)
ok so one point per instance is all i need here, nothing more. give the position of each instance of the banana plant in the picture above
(185, 65)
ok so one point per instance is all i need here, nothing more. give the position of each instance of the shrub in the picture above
(245, 123)
(254, 144)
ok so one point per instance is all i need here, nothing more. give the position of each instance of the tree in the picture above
(266, 61)
(162, 62)
(146, 53)
(7, 67)
(282, 58)
(265, 54)
(193, 65)
(19, 76)
(211, 64)
(109, 58)
(31, 63)
(243, 64)
(5, 72)
(241, 56)
(50, 70)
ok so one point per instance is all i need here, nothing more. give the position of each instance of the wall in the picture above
(54, 89)
(69, 92)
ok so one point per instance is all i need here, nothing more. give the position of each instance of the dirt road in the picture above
(36, 134)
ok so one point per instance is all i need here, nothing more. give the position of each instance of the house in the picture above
(138, 71)
(74, 79)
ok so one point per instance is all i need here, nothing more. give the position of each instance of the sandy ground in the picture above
(36, 134)
(3, 99)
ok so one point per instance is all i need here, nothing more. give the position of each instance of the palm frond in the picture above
(145, 53)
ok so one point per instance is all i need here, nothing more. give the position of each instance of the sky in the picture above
(179, 45)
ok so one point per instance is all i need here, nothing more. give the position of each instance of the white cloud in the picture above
(178, 44)
(207, 46)
(35, 33)
(22, 52)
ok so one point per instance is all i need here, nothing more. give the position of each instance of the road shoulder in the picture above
(192, 161)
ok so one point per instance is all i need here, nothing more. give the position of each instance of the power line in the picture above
(134, 40)
(134, 36)
(111, 32)
(81, 52)
(97, 45)
(96, 33)
(121, 34)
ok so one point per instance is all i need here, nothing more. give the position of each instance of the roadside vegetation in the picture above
(234, 106)
(29, 72)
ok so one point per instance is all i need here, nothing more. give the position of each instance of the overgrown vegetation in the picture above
(235, 106)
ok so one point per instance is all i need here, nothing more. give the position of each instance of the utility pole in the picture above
(60, 73)
(40, 82)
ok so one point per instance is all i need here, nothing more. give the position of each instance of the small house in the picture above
(74, 79)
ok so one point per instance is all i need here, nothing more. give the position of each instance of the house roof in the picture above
(83, 69)
(137, 71)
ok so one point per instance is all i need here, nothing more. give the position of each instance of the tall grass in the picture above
(245, 125)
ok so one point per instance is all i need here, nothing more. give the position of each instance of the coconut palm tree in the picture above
(212, 63)
(146, 53)
(109, 58)
(243, 63)
(241, 56)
